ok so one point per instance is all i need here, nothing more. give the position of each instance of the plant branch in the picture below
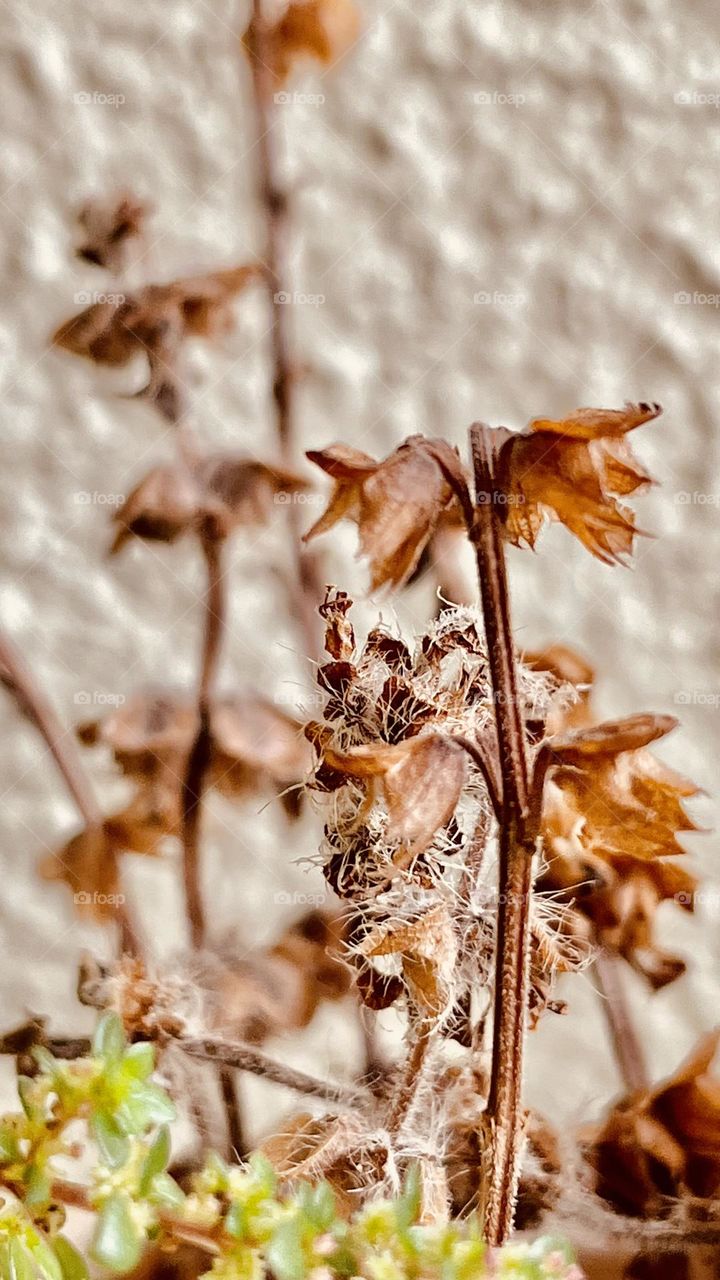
(303, 584)
(36, 707)
(504, 1111)
(245, 1058)
(411, 1075)
(628, 1050)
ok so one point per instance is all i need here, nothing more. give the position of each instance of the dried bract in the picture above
(319, 29)
(109, 225)
(574, 470)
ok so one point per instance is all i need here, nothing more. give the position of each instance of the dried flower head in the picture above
(612, 813)
(153, 322)
(574, 470)
(397, 504)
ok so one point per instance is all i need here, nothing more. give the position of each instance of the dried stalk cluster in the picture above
(482, 832)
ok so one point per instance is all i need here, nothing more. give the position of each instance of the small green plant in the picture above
(241, 1215)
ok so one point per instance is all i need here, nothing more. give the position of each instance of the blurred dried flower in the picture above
(320, 29)
(660, 1143)
(222, 493)
(109, 224)
(154, 321)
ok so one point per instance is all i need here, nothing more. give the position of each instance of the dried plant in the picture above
(482, 834)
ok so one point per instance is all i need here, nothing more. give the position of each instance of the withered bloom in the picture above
(406, 806)
(224, 492)
(660, 1143)
(153, 322)
(108, 226)
(574, 470)
(397, 504)
(611, 816)
(255, 748)
(319, 29)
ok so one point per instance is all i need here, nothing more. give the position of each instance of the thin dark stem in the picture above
(245, 1058)
(18, 679)
(193, 790)
(36, 707)
(304, 585)
(201, 750)
(628, 1050)
(504, 1111)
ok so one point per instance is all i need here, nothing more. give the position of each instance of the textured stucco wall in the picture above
(509, 209)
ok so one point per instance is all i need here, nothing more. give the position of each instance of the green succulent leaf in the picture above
(156, 1160)
(285, 1252)
(72, 1263)
(138, 1060)
(117, 1243)
(112, 1143)
(109, 1039)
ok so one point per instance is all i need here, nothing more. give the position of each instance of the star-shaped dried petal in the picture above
(108, 226)
(427, 946)
(574, 470)
(396, 503)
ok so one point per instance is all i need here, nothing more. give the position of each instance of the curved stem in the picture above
(628, 1050)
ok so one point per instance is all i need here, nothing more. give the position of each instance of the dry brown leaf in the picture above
(611, 815)
(420, 781)
(396, 503)
(339, 633)
(109, 224)
(88, 865)
(574, 470)
(427, 947)
(319, 29)
(153, 322)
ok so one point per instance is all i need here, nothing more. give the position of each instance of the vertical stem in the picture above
(305, 584)
(628, 1050)
(504, 1111)
(193, 790)
(412, 1072)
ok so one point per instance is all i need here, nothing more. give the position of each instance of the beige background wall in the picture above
(509, 209)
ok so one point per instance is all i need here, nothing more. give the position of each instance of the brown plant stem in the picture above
(411, 1075)
(36, 707)
(504, 1111)
(193, 789)
(304, 583)
(245, 1058)
(628, 1050)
